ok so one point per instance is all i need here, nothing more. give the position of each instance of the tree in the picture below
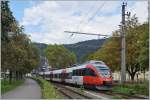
(19, 56)
(59, 57)
(143, 47)
(72, 58)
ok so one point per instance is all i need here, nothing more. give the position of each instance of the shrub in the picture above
(141, 87)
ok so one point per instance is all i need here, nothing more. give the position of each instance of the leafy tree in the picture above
(19, 56)
(143, 47)
(134, 33)
(59, 57)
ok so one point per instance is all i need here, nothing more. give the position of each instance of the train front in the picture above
(104, 77)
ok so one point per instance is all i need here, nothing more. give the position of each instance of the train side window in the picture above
(83, 71)
(75, 73)
(79, 72)
(57, 76)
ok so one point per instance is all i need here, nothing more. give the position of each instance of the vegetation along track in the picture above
(69, 93)
(125, 96)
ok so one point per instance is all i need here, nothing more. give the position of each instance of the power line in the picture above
(96, 12)
(98, 9)
(82, 20)
(93, 15)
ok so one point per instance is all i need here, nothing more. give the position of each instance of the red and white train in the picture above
(90, 74)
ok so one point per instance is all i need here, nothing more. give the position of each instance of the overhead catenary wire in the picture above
(93, 15)
(87, 14)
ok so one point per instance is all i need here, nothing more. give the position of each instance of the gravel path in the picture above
(29, 90)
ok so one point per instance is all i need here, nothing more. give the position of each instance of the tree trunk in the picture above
(132, 76)
(17, 76)
(144, 73)
(21, 75)
(10, 77)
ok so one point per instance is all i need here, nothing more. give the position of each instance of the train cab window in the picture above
(89, 72)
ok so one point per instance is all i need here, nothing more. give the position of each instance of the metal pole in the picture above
(123, 63)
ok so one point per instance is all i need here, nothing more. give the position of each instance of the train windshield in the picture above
(103, 71)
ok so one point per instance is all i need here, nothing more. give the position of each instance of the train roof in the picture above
(95, 62)
(57, 71)
(48, 72)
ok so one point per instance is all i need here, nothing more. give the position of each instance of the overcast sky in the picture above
(46, 21)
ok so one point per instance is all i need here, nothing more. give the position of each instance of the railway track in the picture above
(69, 93)
(125, 96)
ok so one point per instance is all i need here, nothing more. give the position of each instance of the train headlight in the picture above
(105, 75)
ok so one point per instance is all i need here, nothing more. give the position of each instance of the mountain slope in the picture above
(83, 48)
(80, 49)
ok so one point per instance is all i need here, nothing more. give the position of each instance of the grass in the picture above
(133, 88)
(48, 91)
(6, 86)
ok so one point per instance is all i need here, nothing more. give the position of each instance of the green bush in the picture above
(124, 90)
(133, 88)
(140, 87)
(48, 91)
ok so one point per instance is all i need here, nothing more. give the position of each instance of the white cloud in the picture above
(140, 8)
(52, 18)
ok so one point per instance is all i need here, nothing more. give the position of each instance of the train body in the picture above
(93, 74)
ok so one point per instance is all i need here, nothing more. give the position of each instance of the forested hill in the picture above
(83, 48)
(80, 49)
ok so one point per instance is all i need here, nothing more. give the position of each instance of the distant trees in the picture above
(136, 48)
(59, 57)
(18, 55)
